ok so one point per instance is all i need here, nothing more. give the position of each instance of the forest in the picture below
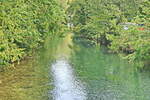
(121, 25)
(74, 49)
(24, 25)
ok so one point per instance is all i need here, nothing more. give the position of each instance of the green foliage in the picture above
(94, 19)
(24, 24)
(103, 21)
(135, 41)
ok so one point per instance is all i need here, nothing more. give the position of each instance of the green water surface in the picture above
(105, 76)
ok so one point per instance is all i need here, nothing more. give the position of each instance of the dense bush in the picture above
(24, 24)
(105, 22)
(135, 41)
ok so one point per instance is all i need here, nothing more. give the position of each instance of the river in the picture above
(67, 70)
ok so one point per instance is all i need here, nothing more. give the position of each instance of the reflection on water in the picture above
(27, 82)
(67, 87)
(31, 79)
(58, 72)
(108, 77)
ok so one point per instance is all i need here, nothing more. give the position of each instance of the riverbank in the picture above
(107, 76)
(90, 72)
(30, 79)
(119, 25)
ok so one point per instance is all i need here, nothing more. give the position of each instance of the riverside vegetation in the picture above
(121, 25)
(85, 67)
(24, 25)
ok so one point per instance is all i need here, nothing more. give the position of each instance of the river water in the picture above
(66, 70)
